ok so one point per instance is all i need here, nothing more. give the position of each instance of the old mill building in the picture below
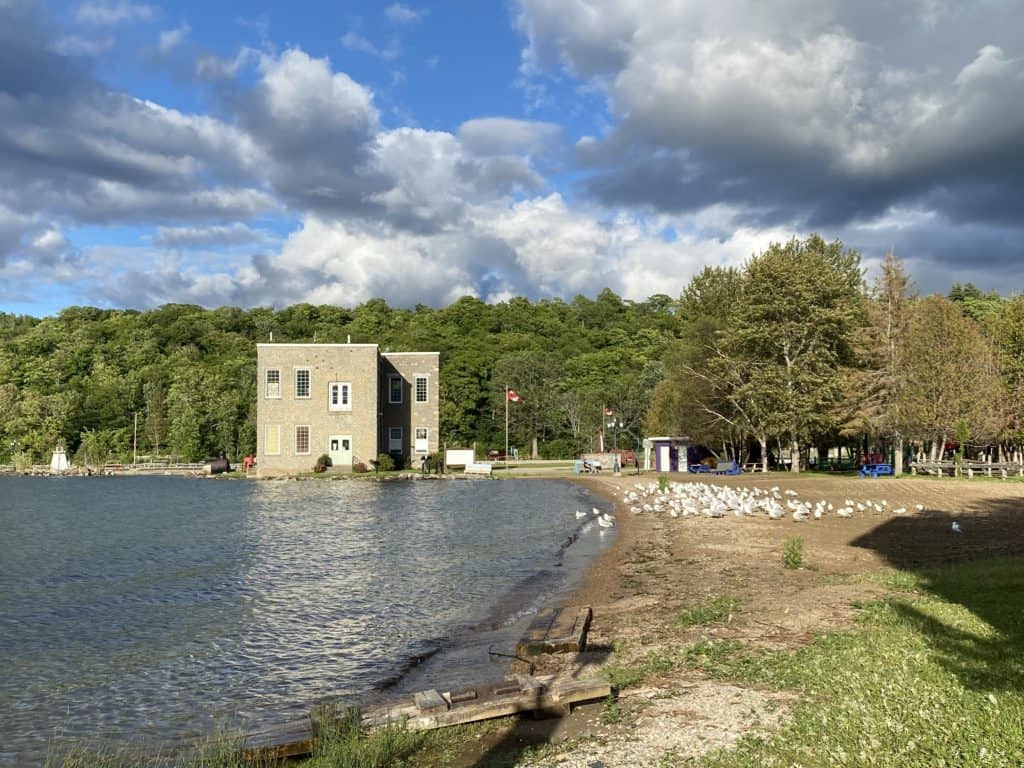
(350, 401)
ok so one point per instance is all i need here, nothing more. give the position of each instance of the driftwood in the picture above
(561, 630)
(548, 695)
(523, 693)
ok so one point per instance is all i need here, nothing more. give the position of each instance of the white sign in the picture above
(454, 457)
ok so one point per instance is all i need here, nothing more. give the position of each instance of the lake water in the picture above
(161, 608)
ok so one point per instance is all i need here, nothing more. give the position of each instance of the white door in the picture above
(340, 450)
(421, 443)
(664, 458)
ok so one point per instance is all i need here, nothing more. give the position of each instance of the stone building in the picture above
(350, 401)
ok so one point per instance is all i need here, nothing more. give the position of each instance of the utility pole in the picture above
(135, 440)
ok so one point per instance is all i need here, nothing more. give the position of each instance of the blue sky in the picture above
(336, 152)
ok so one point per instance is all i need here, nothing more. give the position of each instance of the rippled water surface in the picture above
(157, 608)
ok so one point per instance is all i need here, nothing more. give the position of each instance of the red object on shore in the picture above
(249, 462)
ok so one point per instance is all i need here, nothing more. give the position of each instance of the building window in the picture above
(274, 382)
(422, 444)
(395, 390)
(395, 440)
(421, 389)
(302, 382)
(272, 442)
(301, 440)
(339, 397)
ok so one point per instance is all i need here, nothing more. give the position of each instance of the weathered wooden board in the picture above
(507, 697)
(557, 630)
(291, 739)
(430, 701)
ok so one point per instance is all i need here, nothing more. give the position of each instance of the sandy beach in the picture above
(660, 566)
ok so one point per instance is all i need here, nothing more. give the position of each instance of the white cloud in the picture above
(171, 38)
(209, 66)
(75, 45)
(356, 42)
(732, 94)
(100, 13)
(733, 125)
(193, 237)
(399, 13)
(505, 136)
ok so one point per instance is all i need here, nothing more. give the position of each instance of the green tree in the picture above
(793, 333)
(873, 394)
(948, 377)
(534, 377)
(701, 393)
(183, 400)
(1006, 329)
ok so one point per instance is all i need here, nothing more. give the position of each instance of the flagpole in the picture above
(506, 427)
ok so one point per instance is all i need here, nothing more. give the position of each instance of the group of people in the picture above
(871, 457)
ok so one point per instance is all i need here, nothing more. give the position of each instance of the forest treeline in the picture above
(792, 350)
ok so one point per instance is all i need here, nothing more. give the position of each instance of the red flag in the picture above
(608, 411)
(513, 396)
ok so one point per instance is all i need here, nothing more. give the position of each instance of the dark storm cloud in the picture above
(808, 114)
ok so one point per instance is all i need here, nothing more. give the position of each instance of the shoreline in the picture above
(648, 589)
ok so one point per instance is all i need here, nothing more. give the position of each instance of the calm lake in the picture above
(162, 608)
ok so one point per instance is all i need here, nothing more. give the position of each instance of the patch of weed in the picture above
(611, 712)
(718, 610)
(793, 553)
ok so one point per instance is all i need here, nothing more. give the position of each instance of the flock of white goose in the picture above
(704, 499)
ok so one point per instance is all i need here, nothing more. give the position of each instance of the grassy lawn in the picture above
(934, 676)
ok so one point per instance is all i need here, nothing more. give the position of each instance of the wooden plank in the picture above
(562, 630)
(430, 701)
(291, 739)
(546, 694)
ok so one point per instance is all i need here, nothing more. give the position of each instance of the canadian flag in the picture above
(608, 411)
(515, 398)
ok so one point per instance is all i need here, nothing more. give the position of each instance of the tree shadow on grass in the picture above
(980, 568)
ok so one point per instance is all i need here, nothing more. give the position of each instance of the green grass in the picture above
(935, 679)
(340, 744)
(611, 713)
(718, 610)
(793, 553)
(624, 675)
(217, 753)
